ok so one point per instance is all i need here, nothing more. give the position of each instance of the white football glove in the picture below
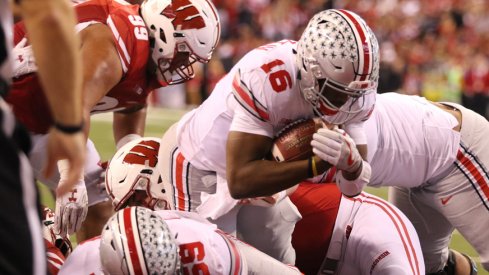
(71, 210)
(337, 148)
(23, 59)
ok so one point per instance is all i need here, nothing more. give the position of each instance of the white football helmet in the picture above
(181, 33)
(338, 62)
(135, 241)
(132, 176)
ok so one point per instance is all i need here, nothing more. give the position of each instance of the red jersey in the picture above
(318, 205)
(131, 40)
(54, 256)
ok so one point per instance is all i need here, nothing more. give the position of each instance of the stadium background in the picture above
(437, 49)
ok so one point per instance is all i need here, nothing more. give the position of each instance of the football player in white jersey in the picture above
(137, 239)
(360, 235)
(436, 157)
(133, 180)
(216, 154)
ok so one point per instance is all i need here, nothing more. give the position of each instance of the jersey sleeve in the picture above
(357, 132)
(122, 32)
(355, 126)
(252, 114)
(54, 256)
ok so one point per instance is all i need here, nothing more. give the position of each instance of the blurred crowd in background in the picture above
(436, 49)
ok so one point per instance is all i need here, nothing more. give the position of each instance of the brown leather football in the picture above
(294, 141)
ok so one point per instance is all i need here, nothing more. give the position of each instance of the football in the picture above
(294, 141)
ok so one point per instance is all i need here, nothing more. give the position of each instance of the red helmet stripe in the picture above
(128, 216)
(364, 49)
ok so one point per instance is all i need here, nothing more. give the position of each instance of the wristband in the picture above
(351, 188)
(68, 129)
(311, 167)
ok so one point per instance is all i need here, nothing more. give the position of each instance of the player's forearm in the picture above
(265, 178)
(50, 25)
(128, 124)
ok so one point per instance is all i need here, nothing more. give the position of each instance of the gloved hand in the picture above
(337, 148)
(71, 210)
(23, 58)
(101, 181)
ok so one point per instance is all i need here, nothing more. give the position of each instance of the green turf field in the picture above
(160, 119)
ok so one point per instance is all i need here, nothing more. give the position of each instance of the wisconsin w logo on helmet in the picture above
(132, 176)
(184, 15)
(144, 153)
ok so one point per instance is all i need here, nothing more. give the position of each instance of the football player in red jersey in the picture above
(127, 50)
(57, 248)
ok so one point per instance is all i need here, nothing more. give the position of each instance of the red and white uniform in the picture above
(55, 258)
(203, 250)
(439, 175)
(260, 95)
(26, 97)
(30, 105)
(360, 235)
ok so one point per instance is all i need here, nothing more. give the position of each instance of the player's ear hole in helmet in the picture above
(181, 33)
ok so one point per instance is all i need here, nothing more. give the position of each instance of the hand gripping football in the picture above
(294, 141)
